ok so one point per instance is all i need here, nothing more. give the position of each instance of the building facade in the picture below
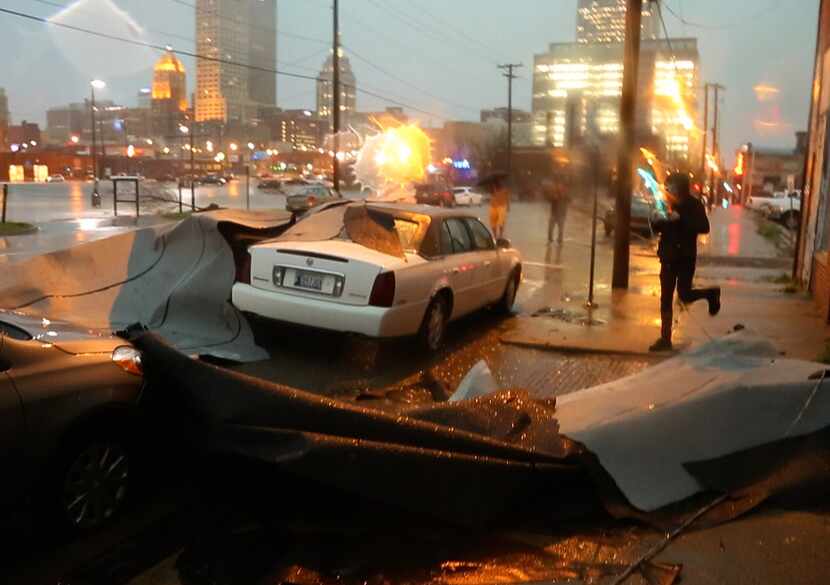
(812, 263)
(235, 33)
(168, 96)
(302, 129)
(577, 89)
(603, 21)
(348, 90)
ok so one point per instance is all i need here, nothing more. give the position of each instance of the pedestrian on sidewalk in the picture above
(679, 226)
(557, 194)
(499, 202)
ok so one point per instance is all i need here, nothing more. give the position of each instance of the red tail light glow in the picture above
(383, 292)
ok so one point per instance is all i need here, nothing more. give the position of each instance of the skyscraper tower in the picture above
(237, 33)
(168, 95)
(348, 91)
(603, 21)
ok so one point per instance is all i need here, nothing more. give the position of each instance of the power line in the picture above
(407, 83)
(259, 26)
(742, 22)
(169, 34)
(194, 55)
(422, 27)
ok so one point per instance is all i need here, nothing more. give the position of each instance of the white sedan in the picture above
(380, 270)
(465, 196)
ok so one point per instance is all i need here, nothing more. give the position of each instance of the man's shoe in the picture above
(714, 302)
(661, 344)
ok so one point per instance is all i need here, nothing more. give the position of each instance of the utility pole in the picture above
(335, 94)
(510, 77)
(715, 146)
(625, 159)
(703, 165)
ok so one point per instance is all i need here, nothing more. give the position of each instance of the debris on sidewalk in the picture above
(644, 443)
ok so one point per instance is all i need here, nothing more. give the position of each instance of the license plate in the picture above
(309, 281)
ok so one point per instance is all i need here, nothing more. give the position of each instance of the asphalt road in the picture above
(178, 533)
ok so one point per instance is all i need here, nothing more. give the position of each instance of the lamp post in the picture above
(96, 196)
(189, 131)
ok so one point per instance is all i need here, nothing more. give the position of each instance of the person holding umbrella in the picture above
(496, 184)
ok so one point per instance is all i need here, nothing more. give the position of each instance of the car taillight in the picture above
(128, 359)
(383, 291)
(243, 269)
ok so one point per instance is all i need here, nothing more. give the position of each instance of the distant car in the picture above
(68, 411)
(311, 197)
(466, 196)
(55, 179)
(270, 184)
(436, 192)
(212, 180)
(642, 209)
(295, 186)
(317, 274)
(780, 206)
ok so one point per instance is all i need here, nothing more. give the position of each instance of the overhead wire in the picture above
(175, 35)
(725, 26)
(192, 54)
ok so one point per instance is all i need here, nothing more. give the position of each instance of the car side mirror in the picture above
(503, 243)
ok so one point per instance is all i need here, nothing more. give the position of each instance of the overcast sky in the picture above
(437, 55)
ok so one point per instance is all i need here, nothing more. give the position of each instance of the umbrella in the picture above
(373, 229)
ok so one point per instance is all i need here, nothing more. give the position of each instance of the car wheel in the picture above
(434, 325)
(791, 220)
(508, 299)
(94, 480)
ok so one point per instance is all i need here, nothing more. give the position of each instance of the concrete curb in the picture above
(564, 348)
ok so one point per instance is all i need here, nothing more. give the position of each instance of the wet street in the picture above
(199, 525)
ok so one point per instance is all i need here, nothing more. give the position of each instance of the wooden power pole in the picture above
(335, 95)
(628, 146)
(510, 77)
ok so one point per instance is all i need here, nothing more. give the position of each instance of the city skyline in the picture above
(465, 81)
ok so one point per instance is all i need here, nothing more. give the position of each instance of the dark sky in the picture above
(437, 55)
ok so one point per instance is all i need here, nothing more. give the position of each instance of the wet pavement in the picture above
(170, 545)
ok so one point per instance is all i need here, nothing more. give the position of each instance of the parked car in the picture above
(466, 196)
(780, 206)
(212, 180)
(270, 184)
(642, 208)
(56, 179)
(435, 192)
(311, 197)
(295, 186)
(68, 408)
(316, 274)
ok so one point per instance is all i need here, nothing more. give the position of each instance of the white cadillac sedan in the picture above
(380, 270)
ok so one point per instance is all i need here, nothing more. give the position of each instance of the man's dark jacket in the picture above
(678, 236)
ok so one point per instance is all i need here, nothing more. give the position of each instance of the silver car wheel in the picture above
(95, 485)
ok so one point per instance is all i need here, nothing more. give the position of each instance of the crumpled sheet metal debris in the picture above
(648, 446)
(727, 397)
(483, 457)
(174, 278)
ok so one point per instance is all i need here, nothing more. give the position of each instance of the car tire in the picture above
(508, 298)
(94, 478)
(790, 220)
(434, 326)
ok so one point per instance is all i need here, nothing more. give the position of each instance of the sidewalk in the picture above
(734, 257)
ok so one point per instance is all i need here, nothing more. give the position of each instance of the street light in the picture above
(96, 196)
(234, 146)
(75, 139)
(251, 146)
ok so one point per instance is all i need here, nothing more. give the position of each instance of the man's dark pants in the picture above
(678, 273)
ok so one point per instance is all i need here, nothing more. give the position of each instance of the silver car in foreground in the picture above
(68, 409)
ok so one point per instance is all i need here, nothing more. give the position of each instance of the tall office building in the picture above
(169, 95)
(348, 91)
(239, 33)
(603, 21)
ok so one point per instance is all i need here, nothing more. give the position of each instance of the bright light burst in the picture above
(393, 159)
